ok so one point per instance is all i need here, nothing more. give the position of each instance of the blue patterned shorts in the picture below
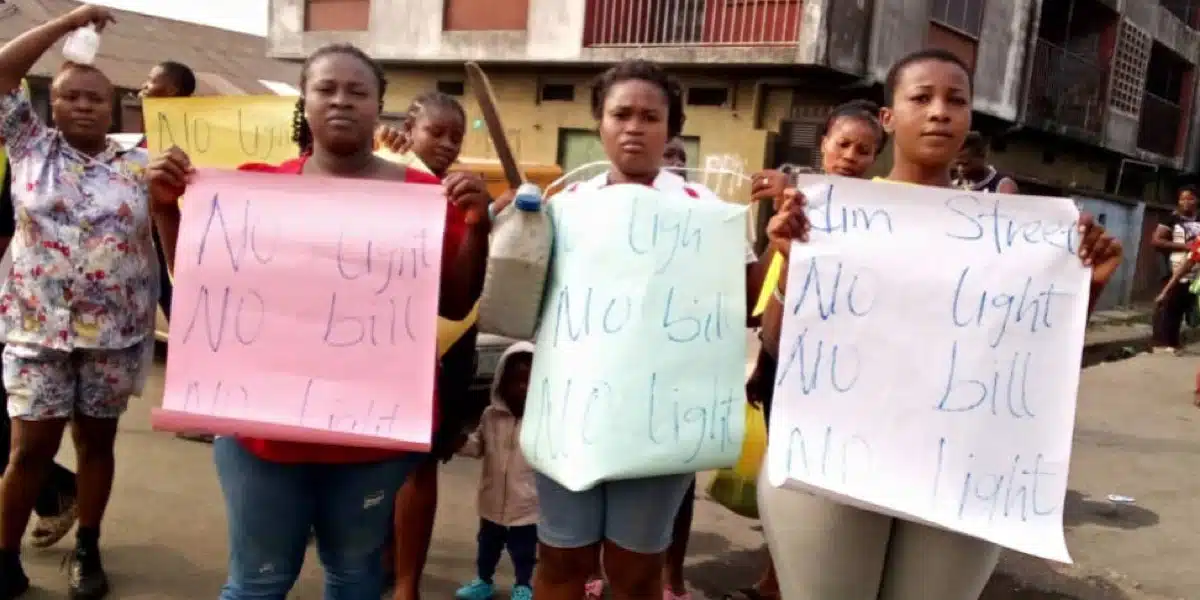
(46, 384)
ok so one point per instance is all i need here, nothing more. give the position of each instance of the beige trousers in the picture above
(824, 550)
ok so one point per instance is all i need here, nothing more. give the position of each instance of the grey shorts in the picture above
(635, 514)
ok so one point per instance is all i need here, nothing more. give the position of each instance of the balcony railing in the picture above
(1158, 131)
(1066, 90)
(634, 23)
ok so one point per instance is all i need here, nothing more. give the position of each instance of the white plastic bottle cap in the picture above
(81, 45)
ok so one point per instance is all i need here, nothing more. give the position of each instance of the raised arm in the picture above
(1176, 275)
(18, 56)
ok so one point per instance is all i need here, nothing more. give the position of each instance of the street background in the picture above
(164, 537)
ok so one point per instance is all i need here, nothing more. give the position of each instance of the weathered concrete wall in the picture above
(1000, 59)
(898, 27)
(411, 30)
(846, 46)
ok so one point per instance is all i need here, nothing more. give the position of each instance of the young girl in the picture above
(433, 130)
(508, 509)
(627, 524)
(851, 139)
(825, 549)
(276, 493)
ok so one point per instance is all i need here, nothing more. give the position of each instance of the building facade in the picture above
(129, 50)
(1077, 95)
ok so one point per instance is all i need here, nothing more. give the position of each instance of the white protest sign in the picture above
(639, 368)
(929, 359)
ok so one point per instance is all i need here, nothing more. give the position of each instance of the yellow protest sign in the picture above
(227, 131)
(222, 131)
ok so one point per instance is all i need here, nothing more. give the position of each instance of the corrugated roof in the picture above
(225, 62)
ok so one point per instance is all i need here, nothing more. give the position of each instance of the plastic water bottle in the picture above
(517, 267)
(81, 45)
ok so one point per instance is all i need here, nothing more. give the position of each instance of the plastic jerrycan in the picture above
(517, 267)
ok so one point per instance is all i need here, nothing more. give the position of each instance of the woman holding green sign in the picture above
(627, 524)
(832, 551)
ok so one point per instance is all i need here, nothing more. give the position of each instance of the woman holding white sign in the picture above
(828, 550)
(277, 492)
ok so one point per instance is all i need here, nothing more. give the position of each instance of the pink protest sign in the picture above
(305, 309)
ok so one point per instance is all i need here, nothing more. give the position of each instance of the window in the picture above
(557, 92)
(707, 96)
(1184, 9)
(1166, 73)
(337, 15)
(451, 88)
(963, 15)
(485, 15)
(1078, 26)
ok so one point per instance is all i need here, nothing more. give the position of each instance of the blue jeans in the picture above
(273, 507)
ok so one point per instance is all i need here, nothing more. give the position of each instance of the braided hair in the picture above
(433, 99)
(301, 132)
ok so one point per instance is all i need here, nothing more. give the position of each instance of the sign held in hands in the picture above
(304, 315)
(929, 360)
(639, 369)
(222, 131)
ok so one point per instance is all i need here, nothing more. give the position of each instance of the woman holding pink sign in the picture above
(276, 492)
(833, 551)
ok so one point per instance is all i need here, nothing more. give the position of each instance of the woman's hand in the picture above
(90, 14)
(790, 223)
(469, 194)
(502, 202)
(1161, 297)
(168, 176)
(1098, 250)
(392, 138)
(768, 184)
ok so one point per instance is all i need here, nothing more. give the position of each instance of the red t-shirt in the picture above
(298, 452)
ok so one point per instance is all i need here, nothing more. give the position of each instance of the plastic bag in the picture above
(735, 488)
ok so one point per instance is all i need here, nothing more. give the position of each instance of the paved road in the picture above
(165, 537)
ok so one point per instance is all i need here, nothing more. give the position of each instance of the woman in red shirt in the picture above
(276, 493)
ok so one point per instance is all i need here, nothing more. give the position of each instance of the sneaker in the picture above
(521, 592)
(86, 579)
(13, 582)
(47, 531)
(476, 590)
(669, 594)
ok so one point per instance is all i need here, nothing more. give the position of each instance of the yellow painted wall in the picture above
(533, 129)
(1024, 159)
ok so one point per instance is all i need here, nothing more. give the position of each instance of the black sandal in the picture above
(748, 593)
